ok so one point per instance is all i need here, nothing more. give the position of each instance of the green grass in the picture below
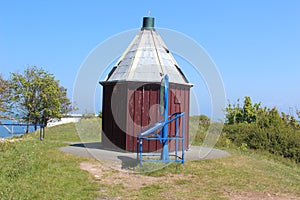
(89, 129)
(31, 169)
(236, 174)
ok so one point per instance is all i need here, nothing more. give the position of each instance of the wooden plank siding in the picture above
(131, 107)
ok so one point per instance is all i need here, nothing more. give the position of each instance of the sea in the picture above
(7, 131)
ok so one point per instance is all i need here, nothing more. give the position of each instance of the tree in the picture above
(234, 113)
(37, 96)
(274, 117)
(249, 110)
(4, 97)
(65, 103)
(254, 113)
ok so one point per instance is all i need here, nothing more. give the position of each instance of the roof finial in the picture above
(148, 23)
(149, 13)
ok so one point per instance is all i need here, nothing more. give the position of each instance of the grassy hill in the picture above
(31, 169)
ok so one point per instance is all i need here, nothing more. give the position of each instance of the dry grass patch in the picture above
(236, 177)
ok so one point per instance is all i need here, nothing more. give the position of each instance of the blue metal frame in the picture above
(161, 132)
(157, 132)
(165, 149)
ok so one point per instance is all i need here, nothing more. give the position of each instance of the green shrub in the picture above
(263, 128)
(278, 140)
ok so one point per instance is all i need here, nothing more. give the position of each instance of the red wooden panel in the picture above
(183, 106)
(186, 110)
(129, 121)
(137, 115)
(145, 111)
(187, 118)
(155, 116)
(145, 105)
(179, 108)
(180, 100)
(140, 103)
(171, 111)
(180, 104)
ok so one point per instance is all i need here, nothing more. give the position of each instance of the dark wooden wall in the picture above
(114, 116)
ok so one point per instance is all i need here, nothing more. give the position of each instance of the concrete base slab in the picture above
(128, 160)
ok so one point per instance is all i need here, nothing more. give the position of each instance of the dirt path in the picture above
(105, 175)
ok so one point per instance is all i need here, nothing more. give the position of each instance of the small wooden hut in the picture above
(132, 88)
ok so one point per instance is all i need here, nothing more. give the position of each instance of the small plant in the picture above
(243, 147)
(6, 145)
(88, 115)
(100, 114)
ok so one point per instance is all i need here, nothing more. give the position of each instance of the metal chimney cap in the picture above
(148, 23)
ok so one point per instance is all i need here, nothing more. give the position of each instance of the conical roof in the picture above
(147, 59)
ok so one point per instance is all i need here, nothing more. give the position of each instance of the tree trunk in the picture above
(42, 129)
(44, 132)
(28, 124)
(41, 134)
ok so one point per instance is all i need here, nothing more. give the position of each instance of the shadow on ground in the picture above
(128, 162)
(97, 145)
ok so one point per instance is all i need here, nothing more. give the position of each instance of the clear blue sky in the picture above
(255, 44)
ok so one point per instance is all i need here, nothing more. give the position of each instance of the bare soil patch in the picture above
(107, 175)
(129, 181)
